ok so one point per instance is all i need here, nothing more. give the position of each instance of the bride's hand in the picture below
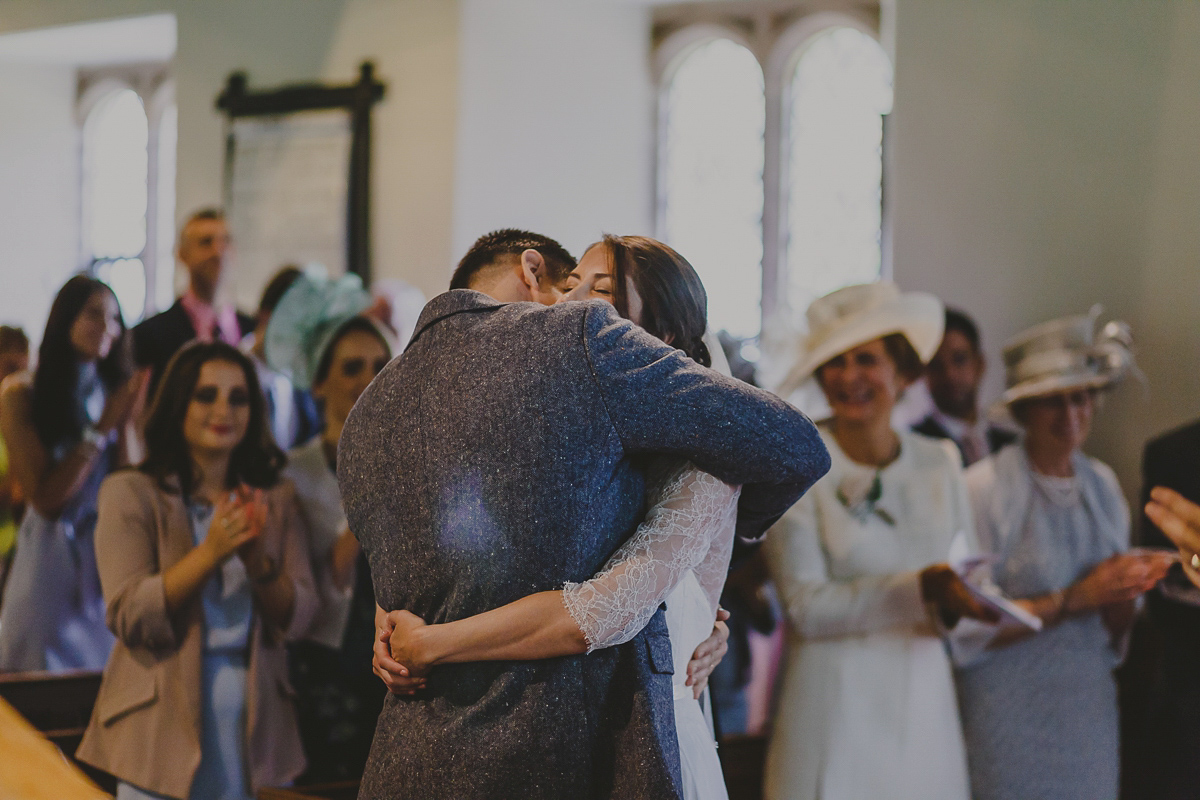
(395, 676)
(406, 642)
(708, 654)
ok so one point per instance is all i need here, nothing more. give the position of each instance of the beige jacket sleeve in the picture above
(297, 565)
(127, 556)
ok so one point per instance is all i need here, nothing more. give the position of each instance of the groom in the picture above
(495, 459)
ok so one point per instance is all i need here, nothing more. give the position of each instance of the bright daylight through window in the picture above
(840, 91)
(835, 90)
(115, 189)
(712, 178)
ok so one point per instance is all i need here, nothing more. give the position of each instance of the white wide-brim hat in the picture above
(1065, 354)
(855, 315)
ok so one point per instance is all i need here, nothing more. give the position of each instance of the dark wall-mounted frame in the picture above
(358, 99)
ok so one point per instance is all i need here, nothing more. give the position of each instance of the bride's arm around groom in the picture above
(495, 459)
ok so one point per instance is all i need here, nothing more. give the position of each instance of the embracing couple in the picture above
(548, 494)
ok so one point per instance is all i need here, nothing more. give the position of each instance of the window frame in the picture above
(154, 85)
(669, 56)
(777, 39)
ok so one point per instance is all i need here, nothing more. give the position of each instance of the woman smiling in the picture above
(867, 707)
(205, 573)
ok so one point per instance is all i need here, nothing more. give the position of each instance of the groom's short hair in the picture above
(491, 247)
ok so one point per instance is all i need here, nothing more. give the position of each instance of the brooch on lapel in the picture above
(860, 493)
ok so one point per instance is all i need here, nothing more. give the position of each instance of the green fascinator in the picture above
(307, 320)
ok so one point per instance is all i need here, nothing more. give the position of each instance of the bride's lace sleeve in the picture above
(690, 527)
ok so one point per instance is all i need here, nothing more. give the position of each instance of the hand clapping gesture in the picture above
(1179, 519)
(236, 525)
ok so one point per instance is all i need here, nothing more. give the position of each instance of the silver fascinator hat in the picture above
(855, 315)
(308, 319)
(1066, 354)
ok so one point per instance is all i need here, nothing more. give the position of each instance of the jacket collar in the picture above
(455, 301)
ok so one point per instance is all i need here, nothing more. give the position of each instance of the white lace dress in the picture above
(680, 555)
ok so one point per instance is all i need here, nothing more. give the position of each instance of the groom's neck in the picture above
(506, 288)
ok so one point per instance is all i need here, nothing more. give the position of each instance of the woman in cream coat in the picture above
(205, 574)
(867, 706)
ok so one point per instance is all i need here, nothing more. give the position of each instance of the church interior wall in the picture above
(1041, 155)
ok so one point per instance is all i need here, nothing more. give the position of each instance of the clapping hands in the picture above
(237, 522)
(1179, 519)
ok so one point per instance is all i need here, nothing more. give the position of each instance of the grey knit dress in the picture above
(1040, 716)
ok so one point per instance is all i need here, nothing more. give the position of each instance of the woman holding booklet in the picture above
(1040, 710)
(867, 705)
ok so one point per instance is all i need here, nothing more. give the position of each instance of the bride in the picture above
(679, 554)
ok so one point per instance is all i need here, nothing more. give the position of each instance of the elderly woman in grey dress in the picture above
(1040, 710)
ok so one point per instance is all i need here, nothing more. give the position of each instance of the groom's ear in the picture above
(533, 269)
(536, 277)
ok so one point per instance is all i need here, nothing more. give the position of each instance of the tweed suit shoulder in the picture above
(479, 467)
(494, 459)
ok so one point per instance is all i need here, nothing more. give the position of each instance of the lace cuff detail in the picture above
(690, 527)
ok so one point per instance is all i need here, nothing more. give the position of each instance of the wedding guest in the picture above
(953, 376)
(66, 427)
(203, 246)
(292, 414)
(319, 338)
(14, 357)
(867, 706)
(1168, 737)
(202, 558)
(1178, 518)
(1040, 711)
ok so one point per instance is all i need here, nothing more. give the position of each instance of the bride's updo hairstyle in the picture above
(674, 303)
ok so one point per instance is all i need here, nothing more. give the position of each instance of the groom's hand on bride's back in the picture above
(396, 676)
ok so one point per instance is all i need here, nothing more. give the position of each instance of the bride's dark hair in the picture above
(674, 303)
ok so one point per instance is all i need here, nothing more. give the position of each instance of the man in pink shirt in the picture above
(203, 245)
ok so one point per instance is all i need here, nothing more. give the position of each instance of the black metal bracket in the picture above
(356, 98)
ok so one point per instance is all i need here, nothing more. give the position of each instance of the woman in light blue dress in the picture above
(1040, 710)
(65, 427)
(202, 559)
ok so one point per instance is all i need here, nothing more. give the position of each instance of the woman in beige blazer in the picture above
(205, 574)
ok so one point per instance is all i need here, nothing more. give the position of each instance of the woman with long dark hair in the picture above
(205, 573)
(680, 553)
(66, 427)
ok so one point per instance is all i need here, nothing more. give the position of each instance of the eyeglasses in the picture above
(353, 367)
(208, 395)
(1075, 399)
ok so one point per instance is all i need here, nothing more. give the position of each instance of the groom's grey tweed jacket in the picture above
(493, 460)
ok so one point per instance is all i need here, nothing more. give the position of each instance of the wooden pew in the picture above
(347, 790)
(31, 768)
(59, 705)
(742, 760)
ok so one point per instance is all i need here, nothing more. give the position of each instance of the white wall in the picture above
(414, 44)
(1045, 160)
(39, 191)
(1044, 153)
(285, 41)
(556, 120)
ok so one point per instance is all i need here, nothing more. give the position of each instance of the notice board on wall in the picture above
(297, 178)
(287, 195)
